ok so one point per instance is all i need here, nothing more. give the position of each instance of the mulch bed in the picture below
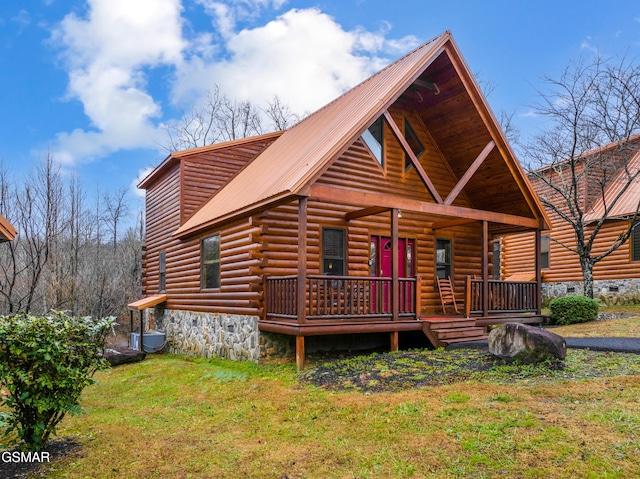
(404, 370)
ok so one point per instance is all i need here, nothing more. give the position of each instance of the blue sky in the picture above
(93, 82)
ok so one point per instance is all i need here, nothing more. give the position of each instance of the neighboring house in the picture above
(7, 231)
(616, 277)
(342, 223)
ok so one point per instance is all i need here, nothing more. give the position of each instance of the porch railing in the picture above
(503, 297)
(340, 297)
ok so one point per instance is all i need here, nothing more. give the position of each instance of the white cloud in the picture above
(106, 54)
(142, 174)
(530, 114)
(304, 56)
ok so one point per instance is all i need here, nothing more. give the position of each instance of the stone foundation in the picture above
(609, 292)
(226, 336)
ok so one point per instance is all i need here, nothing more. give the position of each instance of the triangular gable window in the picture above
(374, 139)
(414, 142)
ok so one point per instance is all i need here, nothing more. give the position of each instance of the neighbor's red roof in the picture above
(628, 203)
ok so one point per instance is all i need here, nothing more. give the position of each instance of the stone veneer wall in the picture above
(223, 335)
(618, 291)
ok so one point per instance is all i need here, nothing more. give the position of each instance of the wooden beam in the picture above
(354, 197)
(300, 353)
(429, 85)
(450, 223)
(485, 268)
(470, 172)
(414, 160)
(418, 305)
(374, 210)
(322, 328)
(395, 269)
(302, 262)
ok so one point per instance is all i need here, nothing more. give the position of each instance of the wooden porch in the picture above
(354, 304)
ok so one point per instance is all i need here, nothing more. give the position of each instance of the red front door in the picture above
(381, 266)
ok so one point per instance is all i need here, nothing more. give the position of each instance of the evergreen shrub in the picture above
(45, 363)
(573, 309)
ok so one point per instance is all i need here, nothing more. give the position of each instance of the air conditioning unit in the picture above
(154, 341)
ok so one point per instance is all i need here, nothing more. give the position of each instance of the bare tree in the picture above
(238, 119)
(9, 263)
(592, 104)
(197, 127)
(280, 114)
(36, 210)
(221, 118)
(116, 211)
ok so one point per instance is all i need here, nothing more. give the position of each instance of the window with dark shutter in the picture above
(333, 251)
(635, 242)
(163, 271)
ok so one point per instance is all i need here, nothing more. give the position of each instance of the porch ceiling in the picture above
(461, 133)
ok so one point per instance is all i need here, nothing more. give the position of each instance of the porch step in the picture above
(464, 340)
(439, 324)
(459, 333)
(443, 332)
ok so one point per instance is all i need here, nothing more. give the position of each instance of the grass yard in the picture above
(174, 417)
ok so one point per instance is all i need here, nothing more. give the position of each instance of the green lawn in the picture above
(174, 417)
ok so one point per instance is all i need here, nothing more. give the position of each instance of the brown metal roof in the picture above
(628, 203)
(293, 162)
(302, 153)
(7, 231)
(147, 302)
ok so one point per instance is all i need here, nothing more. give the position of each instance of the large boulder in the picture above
(527, 344)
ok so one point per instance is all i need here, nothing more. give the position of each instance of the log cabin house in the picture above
(617, 277)
(341, 224)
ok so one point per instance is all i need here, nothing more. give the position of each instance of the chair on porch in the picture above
(447, 296)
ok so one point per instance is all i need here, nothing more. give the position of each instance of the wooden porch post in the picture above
(485, 268)
(395, 282)
(418, 305)
(394, 341)
(300, 352)
(301, 285)
(538, 273)
(302, 262)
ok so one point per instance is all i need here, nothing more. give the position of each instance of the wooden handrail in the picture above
(341, 297)
(503, 296)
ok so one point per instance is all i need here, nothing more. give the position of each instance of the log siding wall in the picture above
(564, 265)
